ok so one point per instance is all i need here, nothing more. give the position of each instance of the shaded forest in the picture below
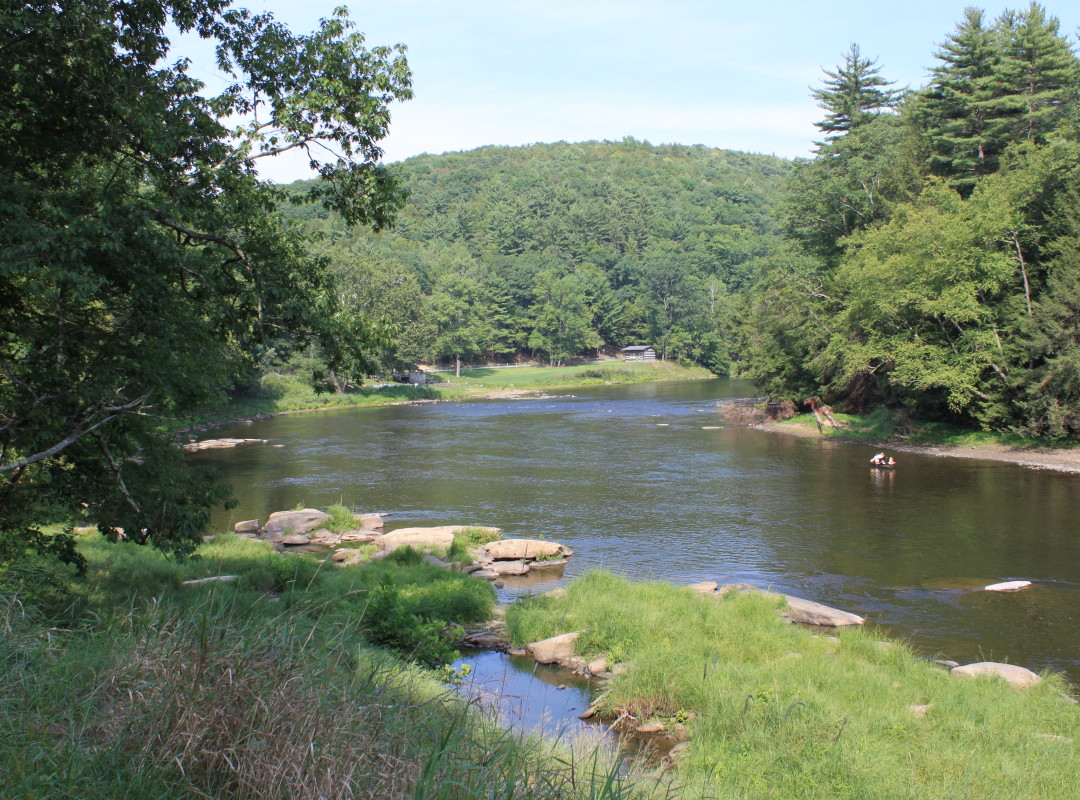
(931, 261)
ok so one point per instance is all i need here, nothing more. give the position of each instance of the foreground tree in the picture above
(143, 260)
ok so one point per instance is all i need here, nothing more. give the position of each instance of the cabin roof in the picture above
(635, 347)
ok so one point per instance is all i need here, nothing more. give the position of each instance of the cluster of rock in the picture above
(516, 557)
(290, 529)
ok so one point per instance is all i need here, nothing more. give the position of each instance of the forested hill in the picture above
(556, 250)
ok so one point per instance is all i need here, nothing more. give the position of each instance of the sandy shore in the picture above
(1029, 456)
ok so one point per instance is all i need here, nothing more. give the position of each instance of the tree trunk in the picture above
(457, 367)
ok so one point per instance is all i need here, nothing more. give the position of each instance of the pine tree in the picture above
(962, 108)
(1039, 70)
(854, 94)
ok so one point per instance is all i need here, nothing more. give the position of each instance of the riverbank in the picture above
(767, 709)
(294, 679)
(931, 440)
(283, 394)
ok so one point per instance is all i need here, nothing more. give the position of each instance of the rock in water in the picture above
(510, 567)
(553, 650)
(705, 587)
(1017, 676)
(307, 519)
(513, 549)
(247, 526)
(1007, 586)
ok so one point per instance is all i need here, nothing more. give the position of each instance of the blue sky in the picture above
(722, 73)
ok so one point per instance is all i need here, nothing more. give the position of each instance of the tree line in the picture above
(561, 250)
(932, 242)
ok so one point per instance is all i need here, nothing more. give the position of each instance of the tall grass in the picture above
(227, 691)
(776, 710)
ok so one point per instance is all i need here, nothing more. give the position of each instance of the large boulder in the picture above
(307, 519)
(553, 650)
(513, 549)
(439, 536)
(1017, 676)
(247, 526)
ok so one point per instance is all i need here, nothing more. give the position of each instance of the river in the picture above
(634, 481)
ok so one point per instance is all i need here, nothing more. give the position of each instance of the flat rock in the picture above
(556, 592)
(307, 519)
(439, 536)
(1019, 677)
(557, 648)
(435, 562)
(596, 666)
(217, 444)
(247, 526)
(652, 726)
(510, 567)
(294, 539)
(486, 574)
(271, 536)
(551, 562)
(512, 549)
(359, 536)
(799, 610)
(1007, 586)
(705, 587)
(371, 521)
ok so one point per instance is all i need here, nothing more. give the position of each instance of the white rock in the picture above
(1007, 586)
(799, 610)
(1017, 676)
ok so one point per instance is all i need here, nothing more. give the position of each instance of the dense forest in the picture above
(933, 240)
(554, 251)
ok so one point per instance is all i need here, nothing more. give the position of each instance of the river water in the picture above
(634, 481)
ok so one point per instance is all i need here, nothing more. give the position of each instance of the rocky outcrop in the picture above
(370, 522)
(554, 650)
(799, 610)
(302, 521)
(247, 526)
(1016, 676)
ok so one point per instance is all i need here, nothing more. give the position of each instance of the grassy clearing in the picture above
(144, 688)
(279, 394)
(886, 425)
(777, 711)
(487, 379)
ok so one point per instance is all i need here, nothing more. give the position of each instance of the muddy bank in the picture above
(1031, 456)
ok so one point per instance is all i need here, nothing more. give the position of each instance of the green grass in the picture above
(150, 689)
(469, 539)
(341, 519)
(885, 425)
(777, 711)
(475, 380)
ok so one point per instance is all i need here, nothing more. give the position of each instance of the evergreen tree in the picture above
(854, 94)
(1039, 70)
(962, 109)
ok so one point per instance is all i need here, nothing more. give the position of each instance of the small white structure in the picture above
(639, 352)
